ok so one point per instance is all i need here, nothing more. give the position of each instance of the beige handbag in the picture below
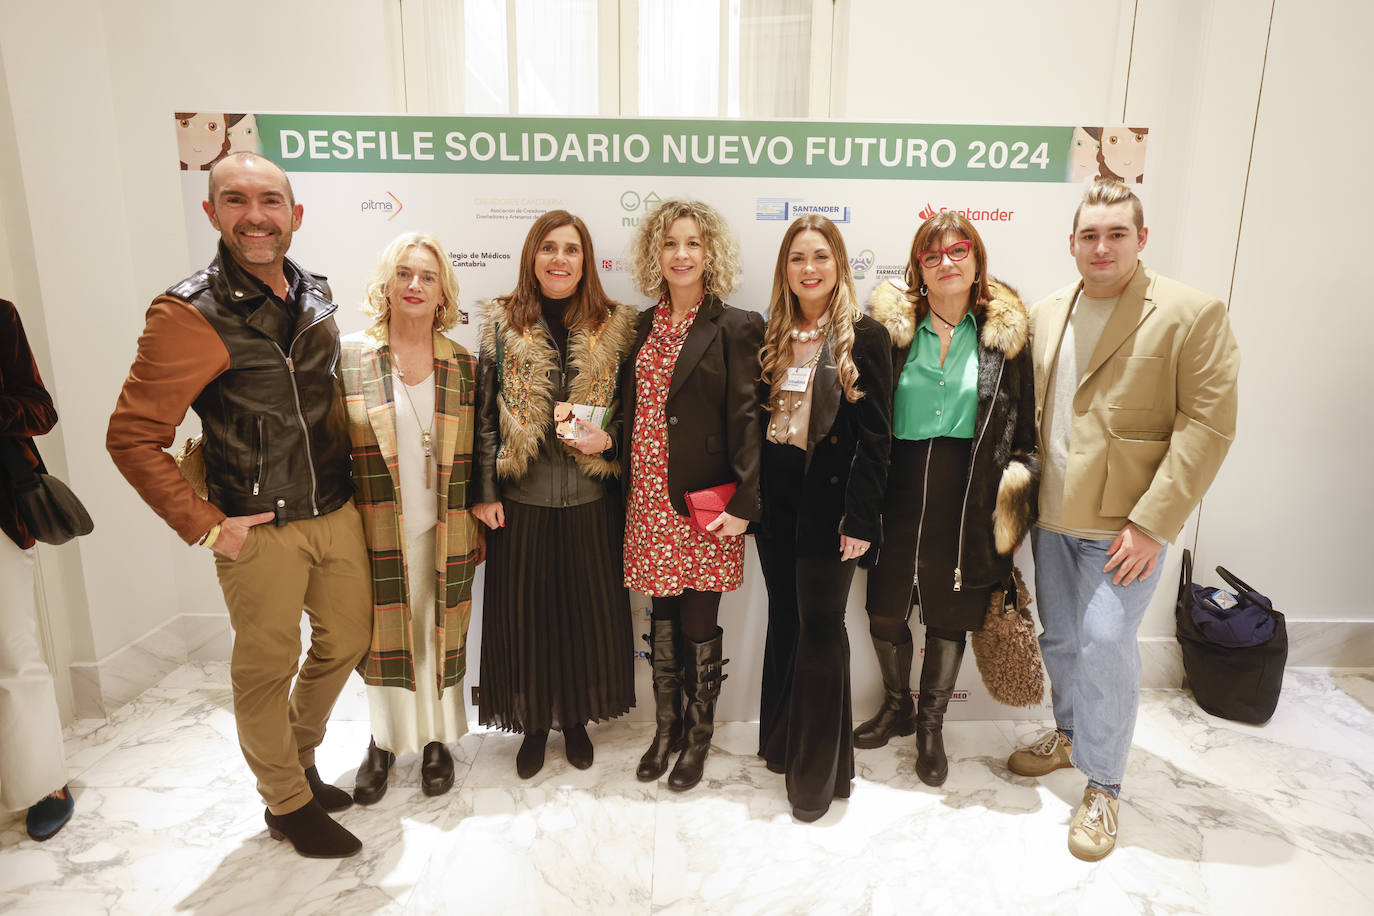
(190, 461)
(1006, 650)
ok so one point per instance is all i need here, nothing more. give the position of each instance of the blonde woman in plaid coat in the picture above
(408, 391)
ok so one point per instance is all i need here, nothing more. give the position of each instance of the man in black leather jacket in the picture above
(250, 343)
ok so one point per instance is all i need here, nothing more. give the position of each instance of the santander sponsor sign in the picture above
(971, 214)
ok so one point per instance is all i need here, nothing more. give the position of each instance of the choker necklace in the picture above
(807, 336)
(948, 326)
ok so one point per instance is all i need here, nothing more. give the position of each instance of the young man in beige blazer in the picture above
(1135, 384)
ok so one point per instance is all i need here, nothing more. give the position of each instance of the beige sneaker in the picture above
(1048, 753)
(1092, 832)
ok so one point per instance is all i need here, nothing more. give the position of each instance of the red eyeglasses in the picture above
(956, 252)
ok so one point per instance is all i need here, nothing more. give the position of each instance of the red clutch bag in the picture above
(704, 505)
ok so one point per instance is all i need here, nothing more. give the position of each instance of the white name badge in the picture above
(797, 379)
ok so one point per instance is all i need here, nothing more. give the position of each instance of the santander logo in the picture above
(973, 215)
(927, 213)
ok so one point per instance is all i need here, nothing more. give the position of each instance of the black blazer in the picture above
(714, 431)
(847, 450)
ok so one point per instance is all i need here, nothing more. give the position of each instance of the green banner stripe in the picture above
(636, 146)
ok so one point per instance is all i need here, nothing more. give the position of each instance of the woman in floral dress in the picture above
(691, 403)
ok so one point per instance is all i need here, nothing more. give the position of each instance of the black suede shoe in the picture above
(369, 785)
(530, 758)
(313, 833)
(331, 798)
(436, 769)
(578, 746)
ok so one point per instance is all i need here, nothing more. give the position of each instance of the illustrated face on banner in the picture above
(415, 291)
(1106, 247)
(200, 139)
(1123, 153)
(242, 132)
(683, 257)
(253, 212)
(950, 278)
(811, 270)
(1083, 153)
(558, 262)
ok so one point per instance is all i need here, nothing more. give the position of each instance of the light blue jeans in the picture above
(1090, 648)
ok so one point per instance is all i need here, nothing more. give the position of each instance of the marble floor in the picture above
(1216, 818)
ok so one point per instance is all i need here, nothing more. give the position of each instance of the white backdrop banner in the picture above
(477, 183)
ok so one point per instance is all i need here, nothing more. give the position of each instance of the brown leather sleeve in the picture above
(178, 355)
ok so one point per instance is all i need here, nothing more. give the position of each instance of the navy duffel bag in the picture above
(1235, 646)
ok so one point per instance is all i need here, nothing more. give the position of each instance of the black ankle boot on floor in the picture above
(530, 758)
(939, 671)
(313, 833)
(577, 745)
(331, 798)
(436, 769)
(897, 716)
(667, 670)
(369, 784)
(702, 676)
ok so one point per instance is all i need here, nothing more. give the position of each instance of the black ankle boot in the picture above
(313, 833)
(331, 798)
(577, 746)
(702, 678)
(897, 716)
(436, 769)
(530, 758)
(369, 784)
(939, 671)
(667, 669)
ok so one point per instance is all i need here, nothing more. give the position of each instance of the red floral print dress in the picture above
(663, 554)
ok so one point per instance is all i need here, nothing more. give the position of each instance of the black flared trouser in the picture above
(805, 722)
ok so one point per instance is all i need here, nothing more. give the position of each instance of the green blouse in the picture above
(934, 400)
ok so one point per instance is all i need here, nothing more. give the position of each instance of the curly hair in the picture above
(721, 267)
(784, 311)
(375, 303)
(927, 237)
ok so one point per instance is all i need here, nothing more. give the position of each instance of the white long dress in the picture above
(404, 722)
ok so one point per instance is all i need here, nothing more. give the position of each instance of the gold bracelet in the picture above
(211, 536)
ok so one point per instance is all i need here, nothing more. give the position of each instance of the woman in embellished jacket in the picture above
(556, 628)
(962, 483)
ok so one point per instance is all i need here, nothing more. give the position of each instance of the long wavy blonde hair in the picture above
(375, 303)
(721, 265)
(784, 311)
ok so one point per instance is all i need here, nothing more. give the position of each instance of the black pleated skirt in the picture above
(556, 628)
(925, 499)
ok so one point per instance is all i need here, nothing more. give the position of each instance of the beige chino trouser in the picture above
(319, 564)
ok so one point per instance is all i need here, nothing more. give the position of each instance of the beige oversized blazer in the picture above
(1155, 412)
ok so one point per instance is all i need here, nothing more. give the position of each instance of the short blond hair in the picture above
(375, 304)
(1109, 191)
(721, 267)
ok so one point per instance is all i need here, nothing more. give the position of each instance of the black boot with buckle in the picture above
(939, 671)
(667, 669)
(897, 716)
(702, 677)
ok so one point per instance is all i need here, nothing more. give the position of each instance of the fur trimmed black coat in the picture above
(1004, 477)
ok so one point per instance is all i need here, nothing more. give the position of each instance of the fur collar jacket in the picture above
(1001, 497)
(521, 376)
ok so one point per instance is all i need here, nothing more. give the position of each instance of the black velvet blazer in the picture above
(847, 450)
(714, 430)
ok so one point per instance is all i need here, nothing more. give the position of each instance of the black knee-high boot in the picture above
(702, 676)
(939, 671)
(667, 667)
(897, 716)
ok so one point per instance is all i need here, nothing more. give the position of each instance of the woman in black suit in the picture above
(693, 422)
(827, 374)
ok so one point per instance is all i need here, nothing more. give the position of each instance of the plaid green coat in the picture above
(365, 378)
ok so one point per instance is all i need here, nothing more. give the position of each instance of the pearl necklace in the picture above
(807, 336)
